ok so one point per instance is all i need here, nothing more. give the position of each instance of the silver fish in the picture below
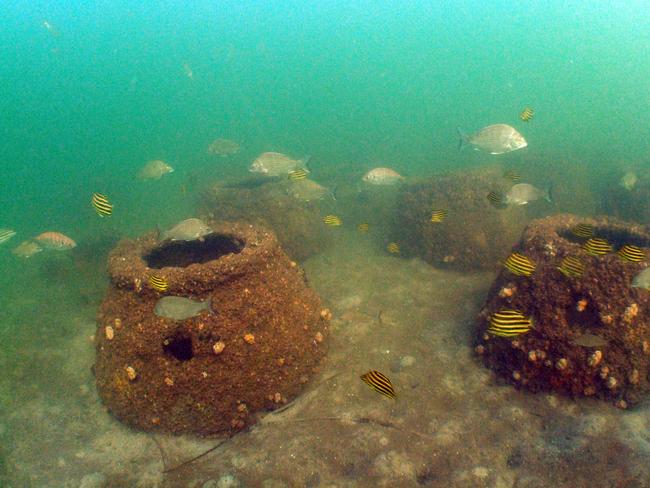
(642, 280)
(154, 170)
(187, 230)
(276, 164)
(522, 193)
(6, 234)
(382, 176)
(494, 139)
(181, 308)
(629, 180)
(308, 190)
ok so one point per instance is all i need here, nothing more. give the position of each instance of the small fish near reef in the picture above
(332, 221)
(26, 249)
(187, 230)
(438, 216)
(276, 164)
(363, 227)
(642, 280)
(571, 267)
(382, 177)
(181, 308)
(496, 199)
(493, 139)
(629, 180)
(154, 170)
(393, 248)
(6, 234)
(631, 253)
(55, 241)
(583, 230)
(597, 246)
(223, 148)
(527, 114)
(509, 323)
(524, 193)
(158, 283)
(298, 174)
(308, 191)
(101, 204)
(519, 265)
(512, 175)
(380, 383)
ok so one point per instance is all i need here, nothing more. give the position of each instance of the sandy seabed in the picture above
(452, 425)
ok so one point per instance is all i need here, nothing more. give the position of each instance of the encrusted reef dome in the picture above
(575, 325)
(244, 336)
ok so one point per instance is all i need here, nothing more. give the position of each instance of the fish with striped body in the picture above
(571, 267)
(527, 114)
(363, 227)
(332, 221)
(631, 253)
(438, 216)
(393, 248)
(158, 283)
(597, 246)
(512, 175)
(583, 230)
(298, 174)
(509, 323)
(101, 204)
(380, 383)
(519, 264)
(6, 234)
(55, 241)
(496, 199)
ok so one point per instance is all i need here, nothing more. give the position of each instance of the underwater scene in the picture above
(325, 244)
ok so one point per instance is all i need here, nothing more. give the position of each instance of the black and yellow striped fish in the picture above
(583, 230)
(509, 323)
(438, 216)
(393, 248)
(597, 246)
(527, 114)
(332, 220)
(101, 204)
(512, 175)
(298, 174)
(379, 382)
(158, 283)
(519, 264)
(631, 253)
(571, 267)
(497, 199)
(363, 227)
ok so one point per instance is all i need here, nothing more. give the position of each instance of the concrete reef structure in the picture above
(208, 374)
(591, 333)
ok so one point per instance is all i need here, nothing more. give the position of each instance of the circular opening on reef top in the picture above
(180, 347)
(183, 253)
(616, 237)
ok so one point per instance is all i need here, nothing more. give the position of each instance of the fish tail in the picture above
(303, 163)
(549, 193)
(463, 139)
(208, 305)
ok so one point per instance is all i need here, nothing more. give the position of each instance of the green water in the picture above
(354, 85)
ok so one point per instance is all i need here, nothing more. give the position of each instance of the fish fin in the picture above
(463, 139)
(303, 163)
(549, 193)
(208, 305)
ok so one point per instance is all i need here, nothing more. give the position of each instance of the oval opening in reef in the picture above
(179, 347)
(183, 253)
(617, 238)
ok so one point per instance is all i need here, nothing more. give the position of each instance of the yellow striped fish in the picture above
(519, 264)
(496, 199)
(6, 234)
(438, 216)
(509, 323)
(512, 175)
(583, 230)
(379, 382)
(298, 174)
(393, 248)
(597, 246)
(332, 220)
(571, 267)
(527, 114)
(363, 227)
(101, 204)
(158, 283)
(631, 253)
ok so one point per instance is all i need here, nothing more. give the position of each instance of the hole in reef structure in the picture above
(183, 253)
(616, 237)
(179, 346)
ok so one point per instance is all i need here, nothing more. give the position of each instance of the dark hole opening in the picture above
(183, 253)
(179, 347)
(617, 238)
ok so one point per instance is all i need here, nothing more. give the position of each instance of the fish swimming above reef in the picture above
(187, 230)
(523, 193)
(438, 216)
(380, 383)
(332, 221)
(527, 114)
(298, 174)
(629, 180)
(597, 246)
(158, 283)
(223, 148)
(493, 139)
(101, 204)
(572, 267)
(6, 234)
(590, 340)
(642, 280)
(308, 190)
(509, 323)
(26, 249)
(583, 230)
(519, 265)
(276, 164)
(181, 308)
(631, 253)
(55, 241)
(382, 176)
(154, 170)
